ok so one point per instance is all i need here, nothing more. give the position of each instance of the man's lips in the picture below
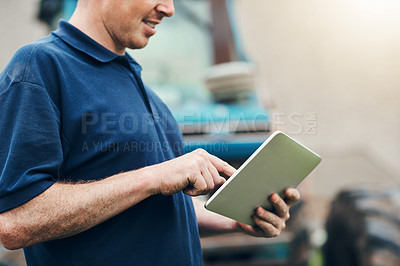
(150, 25)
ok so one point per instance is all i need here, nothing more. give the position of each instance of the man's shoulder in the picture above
(33, 58)
(43, 49)
(45, 46)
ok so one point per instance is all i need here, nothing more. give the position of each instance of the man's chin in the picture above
(139, 45)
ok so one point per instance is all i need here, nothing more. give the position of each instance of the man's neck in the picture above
(93, 26)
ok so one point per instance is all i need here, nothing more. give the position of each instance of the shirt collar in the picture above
(83, 43)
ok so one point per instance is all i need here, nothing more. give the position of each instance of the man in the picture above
(77, 187)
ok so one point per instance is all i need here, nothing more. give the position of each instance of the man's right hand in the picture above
(195, 173)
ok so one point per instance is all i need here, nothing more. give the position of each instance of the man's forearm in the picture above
(67, 209)
(210, 223)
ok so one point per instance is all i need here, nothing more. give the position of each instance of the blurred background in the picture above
(233, 71)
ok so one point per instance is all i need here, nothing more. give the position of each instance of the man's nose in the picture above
(166, 7)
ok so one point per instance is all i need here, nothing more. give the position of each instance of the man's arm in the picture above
(269, 224)
(67, 209)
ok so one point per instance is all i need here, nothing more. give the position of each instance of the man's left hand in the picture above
(271, 224)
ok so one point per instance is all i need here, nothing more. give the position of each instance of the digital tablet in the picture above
(279, 163)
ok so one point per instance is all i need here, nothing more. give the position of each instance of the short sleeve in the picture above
(30, 145)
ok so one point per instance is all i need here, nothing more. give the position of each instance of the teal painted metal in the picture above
(68, 8)
(230, 131)
(216, 112)
(233, 150)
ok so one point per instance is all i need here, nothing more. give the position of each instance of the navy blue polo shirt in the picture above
(73, 110)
